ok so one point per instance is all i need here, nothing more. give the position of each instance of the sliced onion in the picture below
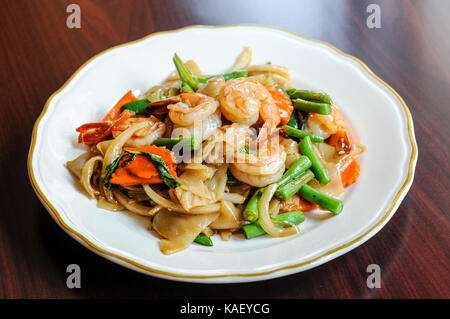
(115, 147)
(274, 207)
(243, 60)
(105, 204)
(171, 206)
(264, 217)
(162, 201)
(230, 217)
(235, 198)
(76, 166)
(86, 175)
(130, 205)
(207, 209)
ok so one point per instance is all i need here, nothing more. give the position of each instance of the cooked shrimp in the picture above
(213, 87)
(326, 125)
(202, 129)
(191, 107)
(145, 136)
(260, 169)
(243, 100)
(332, 125)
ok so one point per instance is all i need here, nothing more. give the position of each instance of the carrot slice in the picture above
(122, 177)
(302, 204)
(117, 109)
(142, 170)
(283, 104)
(305, 206)
(350, 174)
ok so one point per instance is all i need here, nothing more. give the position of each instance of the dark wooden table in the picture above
(411, 51)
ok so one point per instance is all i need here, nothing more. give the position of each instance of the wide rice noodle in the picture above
(171, 206)
(130, 204)
(243, 60)
(86, 175)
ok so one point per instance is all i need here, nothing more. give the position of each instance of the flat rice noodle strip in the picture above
(243, 60)
(86, 175)
(330, 160)
(230, 217)
(162, 201)
(178, 230)
(225, 235)
(103, 146)
(234, 198)
(218, 182)
(76, 166)
(201, 171)
(105, 204)
(191, 183)
(172, 206)
(189, 201)
(270, 68)
(285, 83)
(130, 205)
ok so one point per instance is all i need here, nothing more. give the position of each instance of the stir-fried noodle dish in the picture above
(243, 152)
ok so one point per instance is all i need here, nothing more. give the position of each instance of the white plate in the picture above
(377, 113)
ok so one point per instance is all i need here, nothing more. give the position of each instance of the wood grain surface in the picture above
(411, 52)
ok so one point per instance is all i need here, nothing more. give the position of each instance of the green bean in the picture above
(334, 205)
(138, 106)
(185, 74)
(292, 218)
(312, 107)
(295, 171)
(316, 165)
(185, 88)
(204, 240)
(251, 209)
(194, 143)
(309, 96)
(293, 132)
(227, 76)
(287, 191)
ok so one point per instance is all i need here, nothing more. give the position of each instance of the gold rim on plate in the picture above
(143, 268)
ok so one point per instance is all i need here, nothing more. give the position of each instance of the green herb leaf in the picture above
(247, 150)
(110, 169)
(164, 173)
(231, 181)
(129, 160)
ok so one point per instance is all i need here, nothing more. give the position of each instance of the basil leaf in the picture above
(110, 170)
(129, 160)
